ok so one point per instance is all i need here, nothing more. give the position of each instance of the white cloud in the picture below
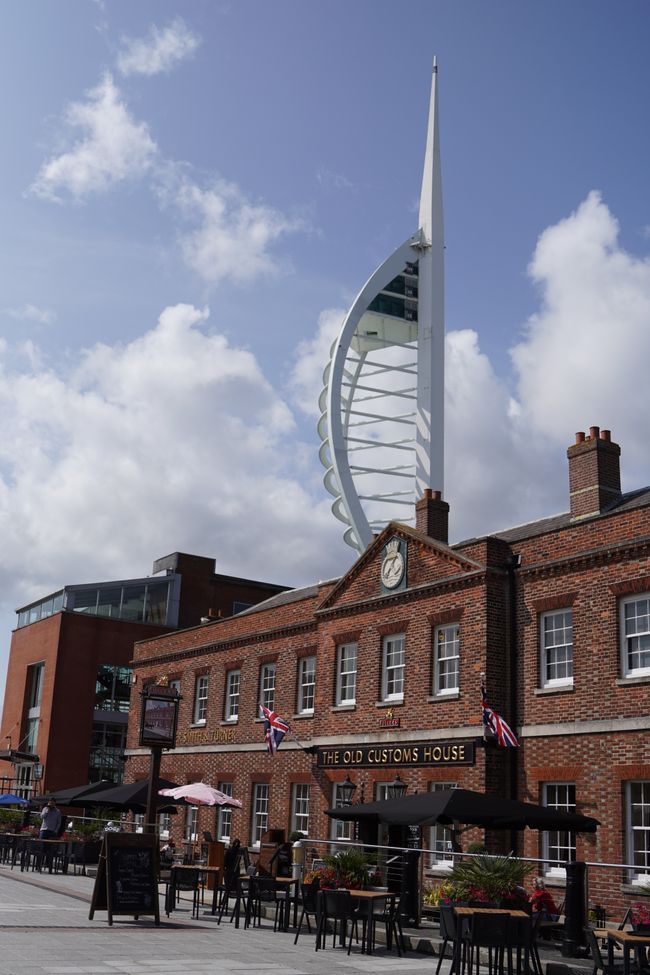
(31, 313)
(332, 181)
(312, 355)
(234, 236)
(160, 51)
(115, 148)
(173, 441)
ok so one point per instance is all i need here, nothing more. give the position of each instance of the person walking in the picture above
(50, 821)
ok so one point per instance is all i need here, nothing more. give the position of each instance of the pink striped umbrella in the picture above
(200, 794)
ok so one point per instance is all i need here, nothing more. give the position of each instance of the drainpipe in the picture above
(513, 563)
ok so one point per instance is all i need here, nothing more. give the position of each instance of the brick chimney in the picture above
(432, 516)
(594, 473)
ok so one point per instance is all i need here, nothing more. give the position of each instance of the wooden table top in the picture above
(372, 895)
(469, 911)
(195, 866)
(631, 937)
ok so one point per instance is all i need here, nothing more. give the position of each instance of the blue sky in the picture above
(192, 194)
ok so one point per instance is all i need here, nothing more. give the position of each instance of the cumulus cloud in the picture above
(234, 236)
(312, 355)
(115, 148)
(160, 51)
(31, 313)
(173, 441)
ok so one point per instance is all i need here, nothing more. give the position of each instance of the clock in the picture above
(392, 566)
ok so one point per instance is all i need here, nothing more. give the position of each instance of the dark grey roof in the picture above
(282, 599)
(628, 502)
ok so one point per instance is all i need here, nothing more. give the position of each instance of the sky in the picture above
(191, 195)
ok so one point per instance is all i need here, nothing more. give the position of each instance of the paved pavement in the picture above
(45, 930)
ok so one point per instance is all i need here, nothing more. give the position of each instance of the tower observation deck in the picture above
(382, 404)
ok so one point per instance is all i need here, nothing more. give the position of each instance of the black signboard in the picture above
(126, 881)
(400, 754)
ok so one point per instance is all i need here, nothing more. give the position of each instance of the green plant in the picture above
(491, 879)
(351, 867)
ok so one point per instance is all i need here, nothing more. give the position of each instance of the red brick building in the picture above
(69, 679)
(379, 672)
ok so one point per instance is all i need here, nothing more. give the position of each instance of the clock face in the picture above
(392, 570)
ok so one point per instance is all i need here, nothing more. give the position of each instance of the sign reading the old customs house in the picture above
(412, 753)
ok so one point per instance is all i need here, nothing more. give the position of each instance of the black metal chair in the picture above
(600, 965)
(184, 880)
(338, 907)
(491, 931)
(308, 906)
(264, 890)
(449, 934)
(389, 912)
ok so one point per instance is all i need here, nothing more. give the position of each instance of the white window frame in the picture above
(231, 711)
(259, 812)
(440, 841)
(300, 808)
(190, 827)
(267, 685)
(446, 636)
(306, 685)
(553, 640)
(642, 629)
(558, 839)
(200, 710)
(346, 673)
(393, 674)
(637, 796)
(224, 814)
(340, 829)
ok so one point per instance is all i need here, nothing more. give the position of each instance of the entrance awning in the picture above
(449, 806)
(16, 757)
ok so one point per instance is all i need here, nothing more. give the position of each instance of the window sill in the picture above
(228, 722)
(199, 724)
(302, 715)
(336, 708)
(439, 698)
(626, 681)
(637, 890)
(396, 703)
(554, 689)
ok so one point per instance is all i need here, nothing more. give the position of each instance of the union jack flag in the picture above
(274, 729)
(501, 730)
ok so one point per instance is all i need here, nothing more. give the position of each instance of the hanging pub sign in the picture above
(413, 753)
(159, 716)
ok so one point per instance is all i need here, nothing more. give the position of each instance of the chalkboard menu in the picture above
(126, 881)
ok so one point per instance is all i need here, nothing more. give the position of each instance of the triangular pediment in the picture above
(409, 559)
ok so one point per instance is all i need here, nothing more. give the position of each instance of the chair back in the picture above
(448, 926)
(309, 894)
(186, 879)
(490, 930)
(626, 918)
(521, 932)
(264, 889)
(594, 948)
(337, 904)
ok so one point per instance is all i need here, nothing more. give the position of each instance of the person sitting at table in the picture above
(50, 821)
(541, 901)
(167, 853)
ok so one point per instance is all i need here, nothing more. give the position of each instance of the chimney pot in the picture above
(437, 495)
(432, 516)
(606, 435)
(594, 433)
(427, 492)
(580, 436)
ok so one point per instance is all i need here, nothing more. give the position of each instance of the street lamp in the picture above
(346, 790)
(396, 788)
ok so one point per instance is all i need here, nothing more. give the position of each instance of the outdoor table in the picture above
(33, 845)
(204, 871)
(370, 897)
(628, 940)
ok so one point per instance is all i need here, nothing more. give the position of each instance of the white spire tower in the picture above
(382, 406)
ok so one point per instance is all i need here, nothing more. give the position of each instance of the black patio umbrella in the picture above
(131, 797)
(448, 806)
(72, 795)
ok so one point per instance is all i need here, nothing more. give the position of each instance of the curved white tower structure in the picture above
(382, 406)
